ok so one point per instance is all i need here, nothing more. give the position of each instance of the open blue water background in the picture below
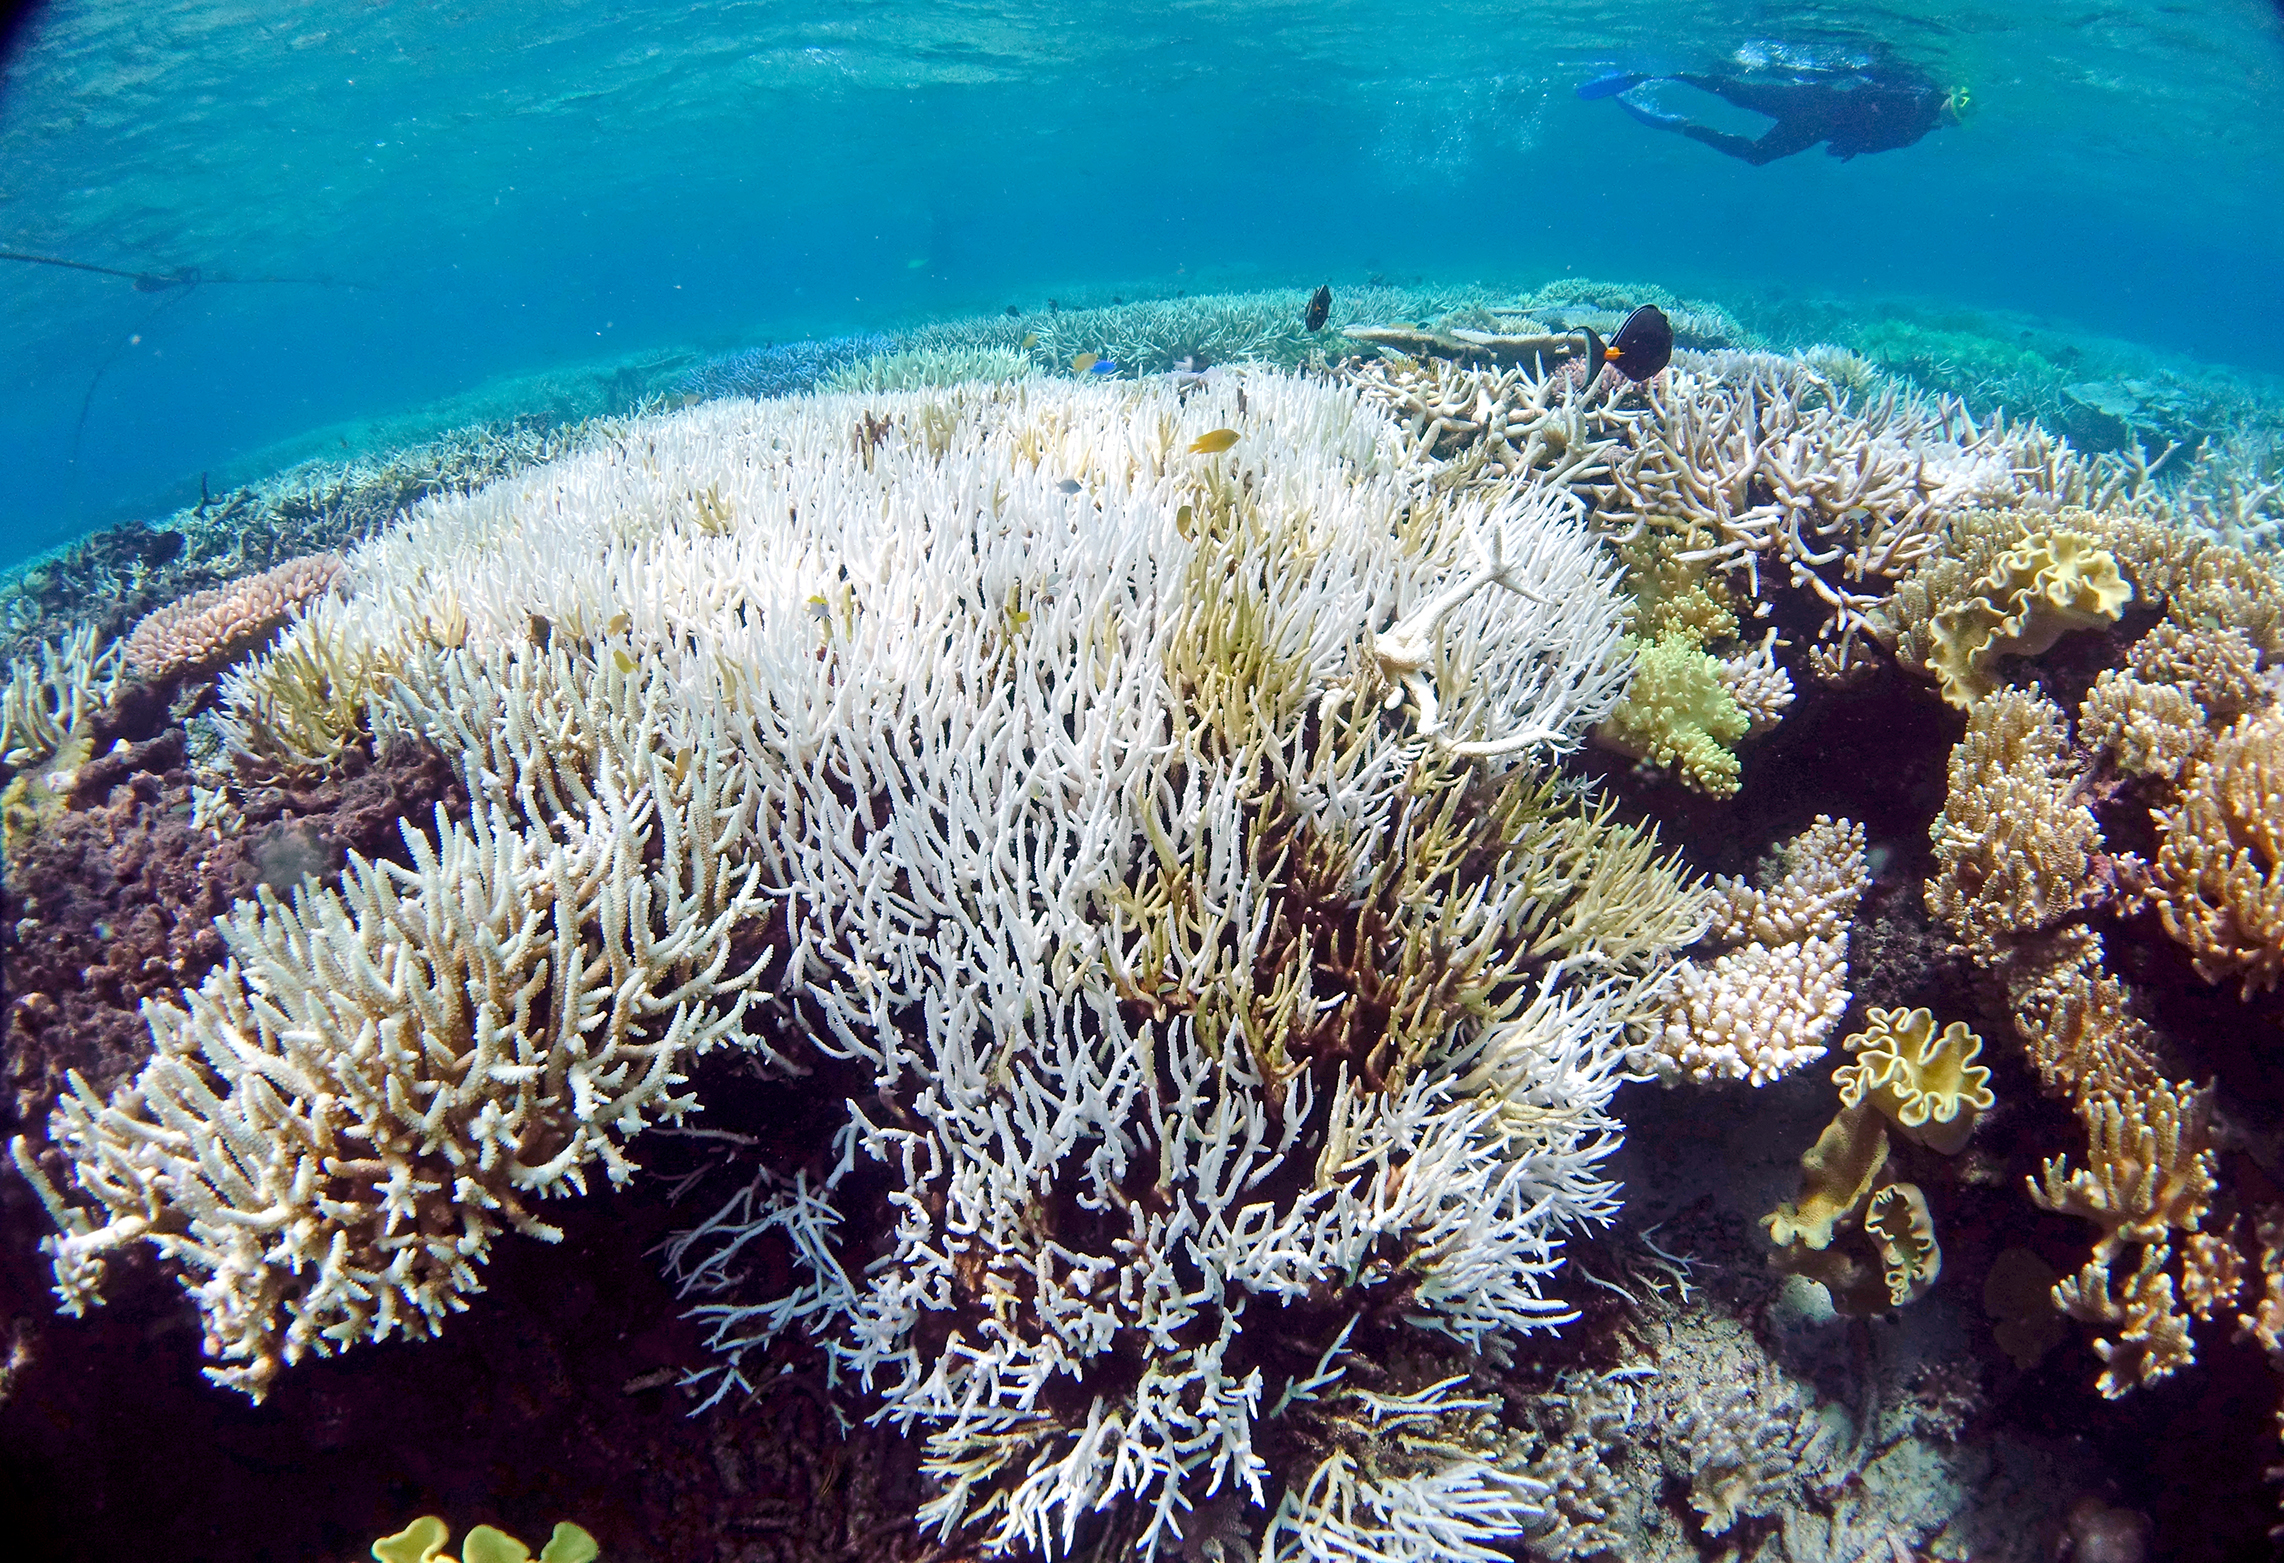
(490, 189)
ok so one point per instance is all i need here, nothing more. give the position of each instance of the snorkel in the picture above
(1958, 103)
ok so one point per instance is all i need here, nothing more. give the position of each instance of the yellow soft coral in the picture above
(1928, 1086)
(1837, 1175)
(2039, 590)
(1901, 1227)
(1679, 712)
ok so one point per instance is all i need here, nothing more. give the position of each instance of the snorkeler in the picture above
(1853, 103)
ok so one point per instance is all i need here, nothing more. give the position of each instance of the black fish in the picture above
(1320, 308)
(1643, 345)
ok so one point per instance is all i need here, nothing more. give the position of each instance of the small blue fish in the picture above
(1103, 366)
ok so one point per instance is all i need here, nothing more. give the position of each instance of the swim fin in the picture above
(1610, 86)
(1654, 118)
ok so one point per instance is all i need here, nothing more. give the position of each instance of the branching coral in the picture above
(204, 633)
(381, 1079)
(2014, 848)
(1743, 1446)
(781, 368)
(2146, 729)
(1761, 688)
(1172, 863)
(1492, 423)
(1152, 336)
(2150, 1174)
(918, 368)
(53, 695)
(1761, 1010)
(1773, 469)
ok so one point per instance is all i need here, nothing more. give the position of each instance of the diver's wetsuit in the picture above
(1871, 107)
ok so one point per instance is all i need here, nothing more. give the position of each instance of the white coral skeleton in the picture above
(984, 698)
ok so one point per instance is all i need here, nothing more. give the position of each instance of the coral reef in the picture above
(2046, 585)
(2015, 847)
(919, 368)
(1164, 963)
(1857, 1228)
(1680, 711)
(1153, 336)
(109, 580)
(1404, 1031)
(2218, 878)
(53, 696)
(397, 1067)
(779, 368)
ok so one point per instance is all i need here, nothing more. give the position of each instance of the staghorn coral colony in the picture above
(1168, 982)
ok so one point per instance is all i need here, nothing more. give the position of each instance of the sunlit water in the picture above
(459, 192)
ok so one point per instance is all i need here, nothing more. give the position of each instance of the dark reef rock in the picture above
(554, 1397)
(114, 901)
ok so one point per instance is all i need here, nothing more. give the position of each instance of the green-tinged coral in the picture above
(1928, 1086)
(296, 711)
(1678, 712)
(2038, 591)
(424, 1540)
(1675, 598)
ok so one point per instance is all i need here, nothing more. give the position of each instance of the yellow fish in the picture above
(1208, 444)
(625, 662)
(1185, 519)
(1084, 362)
(619, 623)
(1030, 340)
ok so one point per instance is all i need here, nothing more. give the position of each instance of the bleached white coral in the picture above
(1156, 832)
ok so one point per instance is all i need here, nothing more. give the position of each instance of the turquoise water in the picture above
(463, 193)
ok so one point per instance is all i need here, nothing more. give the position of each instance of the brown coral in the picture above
(2218, 879)
(2147, 729)
(2014, 848)
(2081, 1037)
(2150, 1175)
(206, 632)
